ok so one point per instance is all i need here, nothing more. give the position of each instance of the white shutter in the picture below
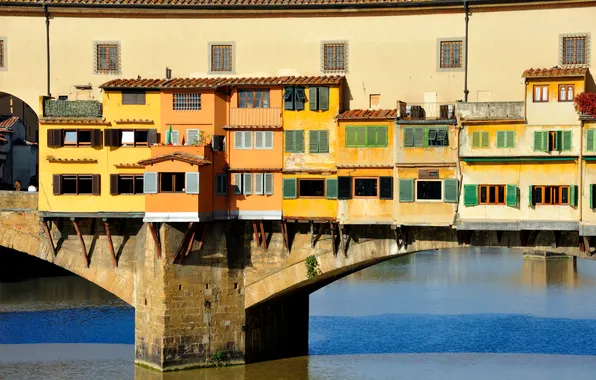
(238, 139)
(247, 140)
(268, 183)
(192, 183)
(175, 137)
(150, 183)
(259, 140)
(237, 183)
(268, 140)
(191, 136)
(259, 183)
(247, 184)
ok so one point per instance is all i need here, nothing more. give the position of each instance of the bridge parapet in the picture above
(18, 201)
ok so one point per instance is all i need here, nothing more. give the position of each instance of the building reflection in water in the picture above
(556, 272)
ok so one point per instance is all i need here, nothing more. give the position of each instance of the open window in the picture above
(171, 182)
(492, 194)
(75, 184)
(366, 187)
(552, 195)
(126, 184)
(428, 190)
(313, 188)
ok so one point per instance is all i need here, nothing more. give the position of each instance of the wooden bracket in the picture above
(284, 233)
(333, 241)
(344, 235)
(110, 243)
(256, 232)
(314, 237)
(401, 237)
(584, 245)
(464, 237)
(203, 234)
(189, 245)
(155, 240)
(83, 248)
(263, 235)
(184, 242)
(46, 230)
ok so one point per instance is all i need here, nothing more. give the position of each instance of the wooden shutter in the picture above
(192, 136)
(510, 139)
(382, 137)
(531, 196)
(323, 98)
(175, 138)
(450, 190)
(114, 184)
(538, 142)
(351, 137)
(313, 142)
(323, 141)
(386, 187)
(247, 183)
(259, 140)
(419, 140)
(192, 183)
(567, 143)
(96, 137)
(590, 140)
(591, 196)
(484, 139)
(112, 137)
(237, 183)
(408, 137)
(150, 183)
(289, 188)
(268, 140)
(95, 184)
(559, 140)
(406, 190)
(331, 188)
(299, 98)
(500, 139)
(360, 137)
(268, 185)
(238, 136)
(573, 195)
(152, 136)
(476, 139)
(258, 183)
(299, 138)
(344, 187)
(57, 184)
(289, 98)
(51, 138)
(222, 184)
(470, 195)
(371, 136)
(511, 195)
(290, 142)
(313, 98)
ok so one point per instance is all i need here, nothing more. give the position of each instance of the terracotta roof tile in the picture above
(371, 166)
(3, 139)
(71, 160)
(187, 83)
(179, 156)
(261, 169)
(253, 127)
(555, 72)
(73, 120)
(367, 114)
(4, 130)
(134, 121)
(129, 165)
(8, 121)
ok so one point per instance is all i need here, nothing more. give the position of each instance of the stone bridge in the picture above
(225, 289)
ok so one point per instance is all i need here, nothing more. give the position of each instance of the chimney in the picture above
(168, 73)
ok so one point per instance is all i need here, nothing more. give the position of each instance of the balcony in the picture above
(72, 108)
(255, 117)
(425, 111)
(490, 111)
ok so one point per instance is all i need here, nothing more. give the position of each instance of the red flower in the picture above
(586, 103)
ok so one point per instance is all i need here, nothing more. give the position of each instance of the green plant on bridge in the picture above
(312, 267)
(220, 359)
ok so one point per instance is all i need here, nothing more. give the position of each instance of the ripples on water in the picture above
(444, 315)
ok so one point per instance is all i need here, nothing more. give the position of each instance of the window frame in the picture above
(298, 180)
(335, 67)
(417, 180)
(187, 103)
(452, 62)
(574, 62)
(134, 184)
(77, 179)
(97, 46)
(244, 146)
(134, 133)
(559, 189)
(541, 98)
(254, 91)
(488, 202)
(366, 142)
(264, 145)
(136, 98)
(173, 174)
(77, 144)
(567, 87)
(212, 46)
(354, 196)
(425, 138)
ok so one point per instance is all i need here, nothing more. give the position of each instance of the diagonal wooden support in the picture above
(312, 234)
(499, 236)
(191, 241)
(202, 235)
(263, 235)
(587, 248)
(46, 230)
(333, 242)
(184, 242)
(284, 233)
(83, 248)
(255, 229)
(110, 243)
(155, 240)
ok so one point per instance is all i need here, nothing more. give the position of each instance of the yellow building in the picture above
(588, 177)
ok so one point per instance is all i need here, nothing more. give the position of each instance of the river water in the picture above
(458, 314)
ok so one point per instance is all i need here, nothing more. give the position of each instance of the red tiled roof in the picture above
(220, 82)
(8, 121)
(3, 139)
(73, 120)
(252, 127)
(179, 156)
(367, 114)
(555, 72)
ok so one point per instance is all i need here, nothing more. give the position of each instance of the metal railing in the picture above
(72, 108)
(425, 111)
(255, 117)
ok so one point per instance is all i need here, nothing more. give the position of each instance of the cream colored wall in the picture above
(395, 56)
(552, 112)
(589, 178)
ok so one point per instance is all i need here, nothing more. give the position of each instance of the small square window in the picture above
(451, 55)
(566, 92)
(128, 137)
(374, 101)
(107, 58)
(221, 58)
(540, 94)
(334, 56)
(574, 50)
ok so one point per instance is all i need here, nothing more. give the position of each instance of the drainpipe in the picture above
(466, 91)
(47, 15)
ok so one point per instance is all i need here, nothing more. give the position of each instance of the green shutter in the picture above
(360, 137)
(500, 139)
(484, 143)
(313, 98)
(289, 188)
(538, 142)
(591, 196)
(351, 137)
(559, 140)
(511, 195)
(450, 190)
(323, 98)
(313, 142)
(406, 190)
(510, 139)
(470, 195)
(382, 137)
(299, 137)
(331, 188)
(531, 196)
(545, 142)
(408, 137)
(566, 140)
(573, 195)
(371, 136)
(475, 139)
(323, 141)
(590, 140)
(290, 142)
(419, 137)
(426, 136)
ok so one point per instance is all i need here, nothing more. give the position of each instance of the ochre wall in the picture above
(364, 156)
(365, 210)
(184, 120)
(552, 112)
(309, 207)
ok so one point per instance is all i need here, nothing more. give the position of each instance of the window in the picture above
(2, 53)
(318, 142)
(492, 194)
(566, 92)
(62, 97)
(126, 184)
(374, 101)
(75, 184)
(133, 97)
(551, 141)
(553, 195)
(221, 58)
(540, 94)
(107, 57)
(574, 50)
(314, 188)
(365, 187)
(366, 137)
(592, 196)
(505, 139)
(257, 183)
(451, 54)
(334, 57)
(294, 141)
(221, 184)
(264, 140)
(253, 98)
(294, 98)
(242, 140)
(424, 137)
(318, 98)
(428, 190)
(480, 139)
(136, 137)
(82, 137)
(189, 101)
(171, 182)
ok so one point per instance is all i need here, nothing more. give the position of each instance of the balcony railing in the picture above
(72, 108)
(257, 117)
(491, 111)
(425, 111)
